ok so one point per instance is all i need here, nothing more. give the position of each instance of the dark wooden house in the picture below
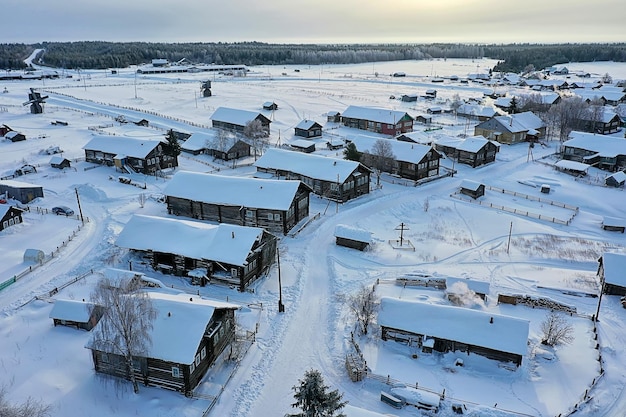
(14, 136)
(270, 105)
(188, 336)
(302, 145)
(384, 121)
(10, 216)
(616, 179)
(308, 129)
(411, 160)
(274, 205)
(473, 189)
(409, 97)
(442, 328)
(514, 128)
(603, 121)
(333, 116)
(612, 273)
(474, 151)
(59, 162)
(352, 237)
(604, 152)
(224, 253)
(197, 143)
(336, 179)
(129, 154)
(74, 313)
(233, 150)
(236, 120)
(21, 191)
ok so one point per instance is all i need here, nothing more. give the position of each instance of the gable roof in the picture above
(477, 110)
(178, 328)
(71, 310)
(233, 191)
(614, 265)
(375, 114)
(353, 233)
(505, 334)
(312, 166)
(403, 151)
(236, 116)
(518, 122)
(307, 124)
(606, 146)
(226, 243)
(123, 145)
(197, 141)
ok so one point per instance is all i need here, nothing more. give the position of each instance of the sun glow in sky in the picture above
(321, 21)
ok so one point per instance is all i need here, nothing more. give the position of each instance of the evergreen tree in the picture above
(514, 107)
(351, 153)
(173, 147)
(314, 399)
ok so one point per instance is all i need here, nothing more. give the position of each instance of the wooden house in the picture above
(604, 152)
(383, 121)
(603, 121)
(416, 137)
(612, 273)
(74, 313)
(302, 145)
(308, 129)
(443, 328)
(475, 111)
(613, 224)
(197, 143)
(14, 136)
(512, 129)
(9, 216)
(59, 162)
(411, 160)
(188, 336)
(616, 180)
(129, 154)
(424, 119)
(474, 151)
(234, 150)
(224, 253)
(20, 191)
(430, 94)
(236, 120)
(336, 179)
(409, 97)
(270, 105)
(333, 116)
(473, 189)
(276, 206)
(352, 237)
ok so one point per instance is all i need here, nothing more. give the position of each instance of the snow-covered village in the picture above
(428, 237)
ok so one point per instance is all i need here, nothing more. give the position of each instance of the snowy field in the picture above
(513, 253)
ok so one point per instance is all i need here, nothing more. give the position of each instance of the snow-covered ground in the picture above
(514, 253)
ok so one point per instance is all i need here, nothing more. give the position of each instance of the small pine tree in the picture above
(314, 399)
(173, 147)
(514, 106)
(351, 153)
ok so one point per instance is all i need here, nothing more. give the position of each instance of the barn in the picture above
(224, 253)
(74, 313)
(20, 191)
(275, 205)
(188, 335)
(444, 328)
(384, 121)
(236, 120)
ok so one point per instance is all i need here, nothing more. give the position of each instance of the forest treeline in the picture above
(102, 55)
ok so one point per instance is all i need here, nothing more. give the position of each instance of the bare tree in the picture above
(456, 103)
(556, 330)
(607, 79)
(363, 304)
(563, 117)
(125, 326)
(258, 137)
(380, 158)
(30, 408)
(531, 102)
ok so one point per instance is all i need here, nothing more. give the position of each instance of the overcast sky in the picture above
(314, 21)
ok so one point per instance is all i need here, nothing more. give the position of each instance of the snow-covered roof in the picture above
(613, 221)
(17, 184)
(479, 287)
(197, 141)
(474, 327)
(235, 116)
(312, 166)
(470, 185)
(477, 110)
(474, 144)
(179, 326)
(11, 134)
(614, 265)
(233, 191)
(402, 151)
(301, 143)
(71, 310)
(374, 114)
(619, 176)
(572, 165)
(227, 243)
(352, 233)
(418, 137)
(123, 145)
(306, 124)
(520, 122)
(606, 146)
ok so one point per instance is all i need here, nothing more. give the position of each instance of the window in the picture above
(277, 217)
(175, 372)
(198, 359)
(203, 353)
(433, 163)
(192, 368)
(249, 214)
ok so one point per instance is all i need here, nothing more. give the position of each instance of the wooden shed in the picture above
(612, 273)
(308, 129)
(352, 237)
(614, 224)
(73, 313)
(59, 162)
(616, 179)
(472, 188)
(302, 145)
(21, 191)
(14, 136)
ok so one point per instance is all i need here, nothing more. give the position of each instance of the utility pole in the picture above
(508, 245)
(80, 210)
(136, 84)
(281, 306)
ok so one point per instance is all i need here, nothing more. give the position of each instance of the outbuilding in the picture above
(59, 162)
(612, 273)
(616, 180)
(14, 136)
(614, 224)
(352, 237)
(21, 191)
(472, 188)
(73, 313)
(308, 129)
